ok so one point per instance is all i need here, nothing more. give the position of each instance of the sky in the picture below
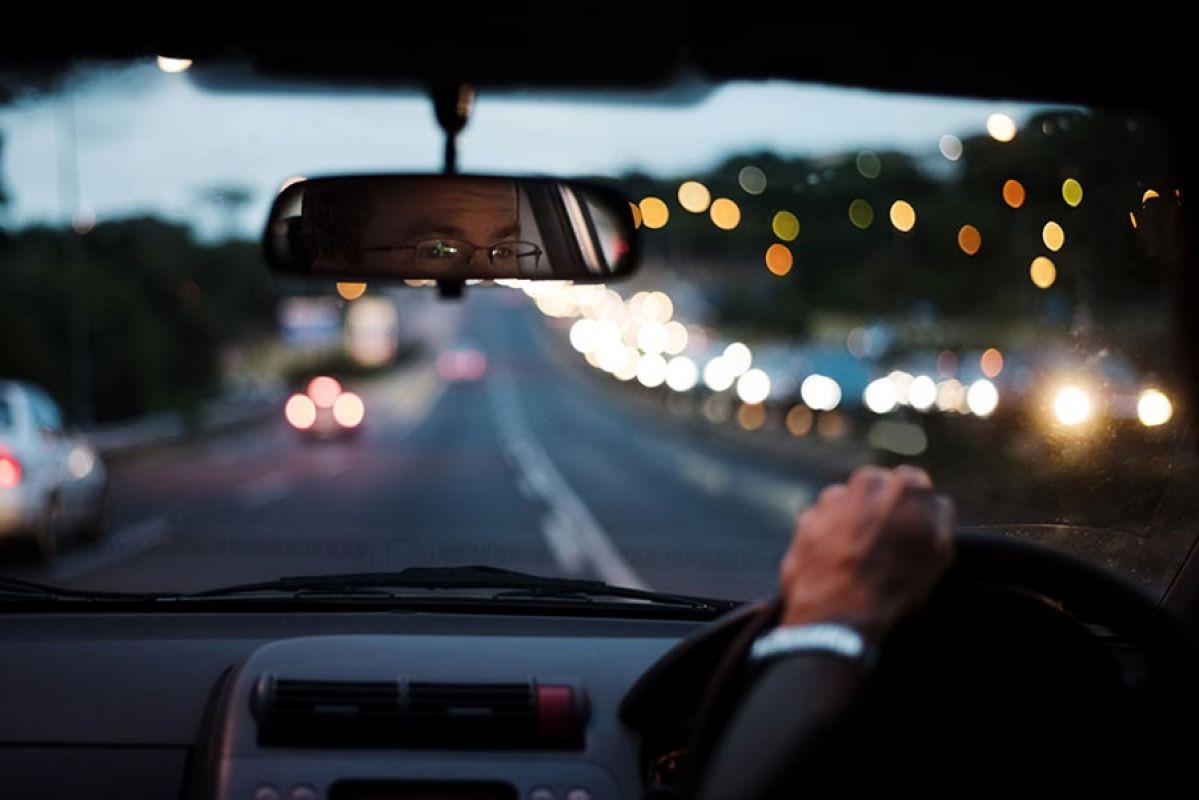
(145, 141)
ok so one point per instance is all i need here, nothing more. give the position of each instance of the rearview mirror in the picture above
(451, 227)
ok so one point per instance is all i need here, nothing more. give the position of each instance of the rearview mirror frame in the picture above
(564, 212)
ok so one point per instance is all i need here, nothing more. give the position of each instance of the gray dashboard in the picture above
(159, 705)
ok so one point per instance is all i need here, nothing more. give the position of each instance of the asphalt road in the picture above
(536, 467)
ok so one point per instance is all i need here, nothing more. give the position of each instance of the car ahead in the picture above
(52, 483)
(183, 663)
(324, 410)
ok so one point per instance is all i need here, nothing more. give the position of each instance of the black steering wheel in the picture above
(1025, 662)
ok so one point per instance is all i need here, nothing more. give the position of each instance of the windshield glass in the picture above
(831, 277)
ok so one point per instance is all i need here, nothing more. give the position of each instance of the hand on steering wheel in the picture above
(868, 552)
(1047, 685)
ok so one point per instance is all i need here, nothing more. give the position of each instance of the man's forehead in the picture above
(471, 195)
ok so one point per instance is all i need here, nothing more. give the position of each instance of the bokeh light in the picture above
(658, 307)
(651, 370)
(1013, 193)
(751, 416)
(1001, 127)
(1072, 192)
(947, 362)
(861, 214)
(694, 197)
(1053, 236)
(1154, 408)
(585, 335)
(951, 396)
(350, 290)
(903, 438)
(636, 214)
(1072, 406)
(1043, 272)
(903, 216)
(820, 392)
(751, 180)
(300, 411)
(969, 239)
(879, 396)
(738, 357)
(785, 226)
(753, 387)
(726, 214)
(173, 65)
(83, 221)
(676, 337)
(869, 165)
(349, 410)
(324, 391)
(1149, 195)
(779, 259)
(629, 364)
(654, 213)
(681, 374)
(651, 338)
(799, 421)
(922, 393)
(951, 147)
(718, 375)
(982, 398)
(991, 362)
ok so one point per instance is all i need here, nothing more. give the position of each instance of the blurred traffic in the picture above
(53, 485)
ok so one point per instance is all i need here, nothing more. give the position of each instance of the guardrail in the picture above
(122, 439)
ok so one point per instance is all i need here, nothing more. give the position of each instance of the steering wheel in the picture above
(1002, 675)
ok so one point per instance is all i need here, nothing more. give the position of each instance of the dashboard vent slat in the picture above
(315, 713)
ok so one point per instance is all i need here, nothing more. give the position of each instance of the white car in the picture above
(51, 482)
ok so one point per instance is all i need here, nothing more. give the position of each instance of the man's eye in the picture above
(438, 250)
(503, 252)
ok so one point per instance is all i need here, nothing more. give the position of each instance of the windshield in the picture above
(831, 277)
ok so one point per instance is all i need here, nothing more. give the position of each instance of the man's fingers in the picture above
(868, 479)
(832, 493)
(913, 477)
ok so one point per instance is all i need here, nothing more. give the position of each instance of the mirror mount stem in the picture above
(452, 103)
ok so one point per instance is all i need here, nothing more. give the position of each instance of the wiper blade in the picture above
(521, 584)
(17, 589)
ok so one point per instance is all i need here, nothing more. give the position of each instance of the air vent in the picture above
(417, 714)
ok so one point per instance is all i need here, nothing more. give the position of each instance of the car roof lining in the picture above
(1012, 58)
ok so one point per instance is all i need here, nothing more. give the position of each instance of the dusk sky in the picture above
(152, 142)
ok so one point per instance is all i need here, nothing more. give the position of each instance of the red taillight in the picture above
(10, 471)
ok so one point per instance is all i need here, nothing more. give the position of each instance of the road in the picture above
(538, 467)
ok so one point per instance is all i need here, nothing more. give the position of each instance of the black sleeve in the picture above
(788, 720)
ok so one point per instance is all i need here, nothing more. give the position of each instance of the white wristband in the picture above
(825, 637)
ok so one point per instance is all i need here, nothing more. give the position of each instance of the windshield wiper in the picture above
(17, 589)
(514, 585)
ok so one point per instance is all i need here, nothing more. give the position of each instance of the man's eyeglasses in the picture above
(519, 256)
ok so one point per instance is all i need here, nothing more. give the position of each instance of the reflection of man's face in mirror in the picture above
(425, 228)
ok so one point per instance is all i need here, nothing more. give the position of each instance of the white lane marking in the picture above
(264, 489)
(125, 543)
(563, 542)
(708, 474)
(572, 533)
(783, 497)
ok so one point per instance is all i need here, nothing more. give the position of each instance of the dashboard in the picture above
(181, 704)
(407, 705)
